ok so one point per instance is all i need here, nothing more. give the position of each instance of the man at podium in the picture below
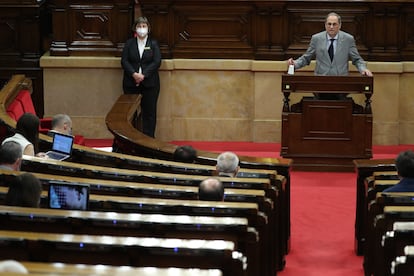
(332, 50)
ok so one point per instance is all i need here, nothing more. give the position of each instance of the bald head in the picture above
(211, 189)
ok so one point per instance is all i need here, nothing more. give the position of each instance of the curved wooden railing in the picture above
(127, 139)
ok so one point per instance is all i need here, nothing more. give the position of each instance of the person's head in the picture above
(211, 189)
(24, 191)
(141, 27)
(11, 155)
(405, 164)
(186, 154)
(12, 266)
(62, 124)
(332, 24)
(227, 164)
(28, 126)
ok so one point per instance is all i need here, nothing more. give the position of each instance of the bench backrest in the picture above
(132, 251)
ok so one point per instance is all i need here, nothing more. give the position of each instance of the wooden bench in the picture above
(365, 168)
(282, 166)
(233, 229)
(393, 244)
(276, 226)
(373, 254)
(249, 211)
(35, 164)
(130, 251)
(279, 197)
(121, 188)
(374, 214)
(404, 265)
(117, 188)
(61, 269)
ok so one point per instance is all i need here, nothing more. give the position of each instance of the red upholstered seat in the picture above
(25, 99)
(15, 110)
(79, 140)
(23, 104)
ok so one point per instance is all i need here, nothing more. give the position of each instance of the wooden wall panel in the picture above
(90, 27)
(24, 27)
(277, 29)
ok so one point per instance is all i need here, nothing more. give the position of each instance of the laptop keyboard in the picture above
(55, 155)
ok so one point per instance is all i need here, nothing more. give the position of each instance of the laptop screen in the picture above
(68, 196)
(62, 143)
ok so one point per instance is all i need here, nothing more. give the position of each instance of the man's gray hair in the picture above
(227, 162)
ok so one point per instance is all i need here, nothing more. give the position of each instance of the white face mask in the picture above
(142, 32)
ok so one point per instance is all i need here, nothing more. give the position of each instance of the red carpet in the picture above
(322, 214)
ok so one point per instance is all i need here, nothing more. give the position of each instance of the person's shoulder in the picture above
(130, 40)
(345, 35)
(320, 34)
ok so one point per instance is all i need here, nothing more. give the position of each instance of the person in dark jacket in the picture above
(141, 59)
(405, 169)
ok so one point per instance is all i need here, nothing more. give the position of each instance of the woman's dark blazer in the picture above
(150, 62)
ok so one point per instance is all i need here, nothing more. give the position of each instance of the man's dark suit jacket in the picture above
(150, 62)
(405, 185)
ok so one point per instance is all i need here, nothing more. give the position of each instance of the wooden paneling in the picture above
(90, 27)
(24, 27)
(276, 29)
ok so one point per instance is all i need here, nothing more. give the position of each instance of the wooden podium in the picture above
(326, 135)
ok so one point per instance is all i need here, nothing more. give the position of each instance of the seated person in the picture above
(186, 154)
(211, 189)
(61, 123)
(10, 156)
(227, 164)
(405, 168)
(24, 191)
(27, 134)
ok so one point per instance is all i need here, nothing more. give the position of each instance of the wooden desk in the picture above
(112, 250)
(41, 268)
(365, 168)
(326, 135)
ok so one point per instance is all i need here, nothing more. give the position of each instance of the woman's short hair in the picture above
(139, 20)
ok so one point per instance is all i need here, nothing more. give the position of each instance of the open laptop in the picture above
(68, 196)
(61, 146)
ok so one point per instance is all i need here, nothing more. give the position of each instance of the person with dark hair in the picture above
(227, 164)
(24, 191)
(141, 59)
(10, 156)
(186, 154)
(405, 168)
(211, 189)
(27, 134)
(61, 123)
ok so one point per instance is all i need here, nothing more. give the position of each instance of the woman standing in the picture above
(141, 58)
